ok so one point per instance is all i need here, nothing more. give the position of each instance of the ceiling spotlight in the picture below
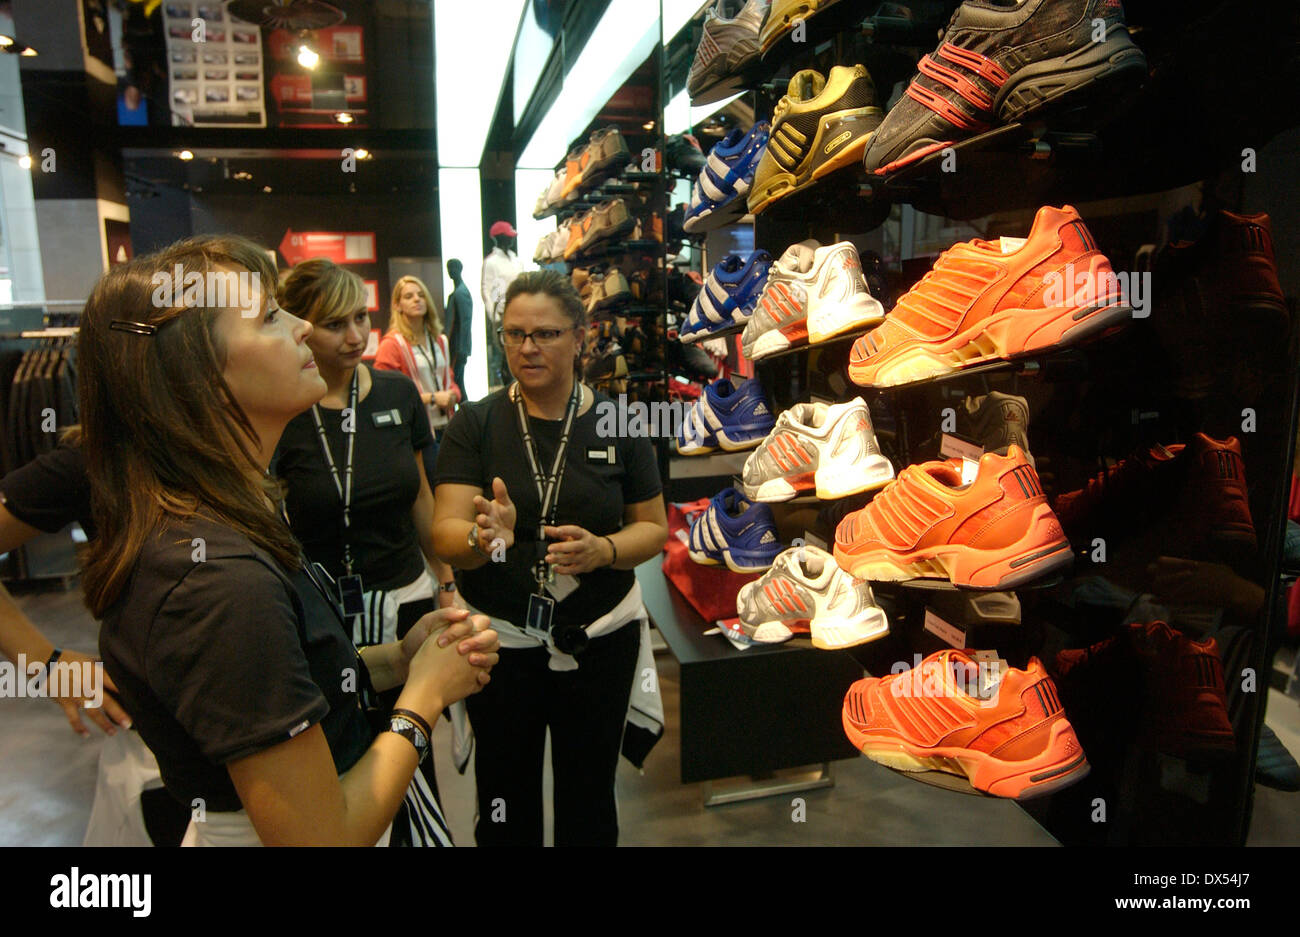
(307, 56)
(25, 161)
(361, 153)
(243, 175)
(186, 155)
(28, 51)
(266, 189)
(648, 126)
(343, 117)
(6, 41)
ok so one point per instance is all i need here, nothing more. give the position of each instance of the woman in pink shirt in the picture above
(415, 345)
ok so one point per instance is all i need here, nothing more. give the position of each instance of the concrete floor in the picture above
(48, 777)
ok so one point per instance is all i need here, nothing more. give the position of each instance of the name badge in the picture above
(606, 456)
(387, 417)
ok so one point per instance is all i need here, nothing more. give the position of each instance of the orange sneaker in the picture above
(575, 165)
(1002, 728)
(990, 300)
(998, 532)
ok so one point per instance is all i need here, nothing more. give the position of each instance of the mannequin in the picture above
(460, 317)
(500, 267)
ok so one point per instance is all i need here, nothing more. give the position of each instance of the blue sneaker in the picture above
(727, 417)
(726, 177)
(735, 531)
(728, 297)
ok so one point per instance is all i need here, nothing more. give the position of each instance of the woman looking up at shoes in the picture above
(558, 582)
(227, 649)
(356, 492)
(416, 346)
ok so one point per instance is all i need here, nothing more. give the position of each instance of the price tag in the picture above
(944, 630)
(952, 447)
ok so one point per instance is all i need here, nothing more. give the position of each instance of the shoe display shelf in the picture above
(1162, 377)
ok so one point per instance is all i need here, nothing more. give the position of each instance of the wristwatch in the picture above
(447, 586)
(412, 733)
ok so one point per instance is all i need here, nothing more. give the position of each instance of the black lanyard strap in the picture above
(344, 486)
(548, 488)
(433, 362)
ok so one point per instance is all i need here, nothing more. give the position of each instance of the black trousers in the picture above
(585, 709)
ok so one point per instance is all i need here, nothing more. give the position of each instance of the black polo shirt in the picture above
(219, 653)
(392, 426)
(51, 492)
(483, 441)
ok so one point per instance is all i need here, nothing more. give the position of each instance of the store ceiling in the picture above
(217, 172)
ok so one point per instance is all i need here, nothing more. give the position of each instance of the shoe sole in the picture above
(1041, 551)
(830, 483)
(692, 225)
(800, 331)
(772, 31)
(990, 341)
(706, 559)
(1058, 767)
(727, 444)
(787, 183)
(836, 634)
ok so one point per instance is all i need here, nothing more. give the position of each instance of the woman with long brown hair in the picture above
(229, 651)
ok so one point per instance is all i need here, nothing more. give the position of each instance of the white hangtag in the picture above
(950, 447)
(945, 631)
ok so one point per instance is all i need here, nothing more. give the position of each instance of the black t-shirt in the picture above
(392, 427)
(222, 654)
(51, 492)
(483, 441)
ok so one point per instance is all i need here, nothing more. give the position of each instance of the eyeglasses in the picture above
(541, 337)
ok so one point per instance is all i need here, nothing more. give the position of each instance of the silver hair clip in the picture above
(135, 328)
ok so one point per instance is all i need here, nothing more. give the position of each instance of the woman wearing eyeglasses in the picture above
(547, 513)
(226, 647)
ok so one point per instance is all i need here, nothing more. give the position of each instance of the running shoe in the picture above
(1002, 728)
(726, 52)
(812, 294)
(992, 300)
(996, 421)
(728, 297)
(997, 532)
(1216, 504)
(727, 416)
(821, 124)
(727, 175)
(805, 591)
(783, 16)
(607, 151)
(736, 532)
(684, 154)
(827, 448)
(1000, 63)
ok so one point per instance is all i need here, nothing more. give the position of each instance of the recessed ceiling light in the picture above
(307, 56)
(361, 153)
(6, 41)
(186, 155)
(243, 175)
(28, 51)
(266, 189)
(343, 117)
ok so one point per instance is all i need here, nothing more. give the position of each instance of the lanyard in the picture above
(433, 364)
(344, 488)
(548, 487)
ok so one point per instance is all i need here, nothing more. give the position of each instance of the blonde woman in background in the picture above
(415, 345)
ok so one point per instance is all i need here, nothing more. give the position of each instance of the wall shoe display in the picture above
(804, 591)
(821, 124)
(997, 532)
(735, 532)
(997, 64)
(829, 449)
(1002, 728)
(812, 294)
(728, 297)
(993, 300)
